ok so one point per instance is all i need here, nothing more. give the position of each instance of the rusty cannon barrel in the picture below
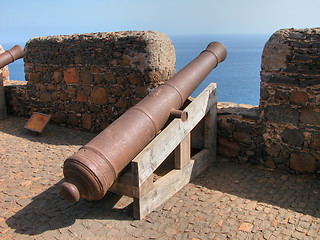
(11, 55)
(91, 171)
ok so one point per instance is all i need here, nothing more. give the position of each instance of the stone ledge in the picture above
(243, 110)
(14, 83)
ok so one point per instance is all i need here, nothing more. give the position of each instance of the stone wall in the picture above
(284, 133)
(86, 81)
(239, 133)
(17, 98)
(290, 99)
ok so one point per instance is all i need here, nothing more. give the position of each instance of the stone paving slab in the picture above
(227, 201)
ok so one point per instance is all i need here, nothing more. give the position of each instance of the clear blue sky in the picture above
(21, 20)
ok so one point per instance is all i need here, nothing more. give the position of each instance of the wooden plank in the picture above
(210, 132)
(170, 184)
(182, 154)
(123, 185)
(149, 159)
(144, 188)
(3, 109)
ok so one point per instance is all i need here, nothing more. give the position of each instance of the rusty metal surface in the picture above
(11, 55)
(92, 170)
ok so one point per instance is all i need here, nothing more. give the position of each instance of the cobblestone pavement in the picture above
(227, 201)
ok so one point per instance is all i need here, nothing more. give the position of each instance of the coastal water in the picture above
(237, 78)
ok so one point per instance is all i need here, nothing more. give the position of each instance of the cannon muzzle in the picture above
(91, 171)
(11, 55)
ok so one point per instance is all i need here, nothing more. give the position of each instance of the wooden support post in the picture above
(182, 154)
(210, 132)
(3, 109)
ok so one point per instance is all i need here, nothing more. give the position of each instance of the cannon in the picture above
(5, 58)
(91, 171)
(11, 55)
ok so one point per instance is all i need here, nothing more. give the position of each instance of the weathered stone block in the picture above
(58, 117)
(99, 96)
(281, 163)
(135, 78)
(45, 97)
(281, 114)
(86, 77)
(242, 137)
(274, 56)
(72, 119)
(297, 35)
(293, 137)
(302, 162)
(81, 97)
(87, 121)
(228, 148)
(279, 79)
(57, 76)
(34, 77)
(273, 150)
(71, 75)
(299, 98)
(315, 141)
(310, 117)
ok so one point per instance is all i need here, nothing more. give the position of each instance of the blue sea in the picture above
(237, 78)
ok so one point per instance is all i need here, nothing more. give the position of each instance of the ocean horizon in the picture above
(237, 78)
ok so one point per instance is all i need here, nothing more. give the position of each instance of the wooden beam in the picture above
(170, 184)
(149, 159)
(182, 154)
(210, 132)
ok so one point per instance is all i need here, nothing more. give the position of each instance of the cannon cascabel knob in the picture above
(70, 192)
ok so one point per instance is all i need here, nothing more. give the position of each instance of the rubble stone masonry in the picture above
(286, 133)
(290, 99)
(86, 81)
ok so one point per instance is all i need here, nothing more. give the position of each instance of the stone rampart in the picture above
(86, 81)
(290, 100)
(239, 133)
(286, 133)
